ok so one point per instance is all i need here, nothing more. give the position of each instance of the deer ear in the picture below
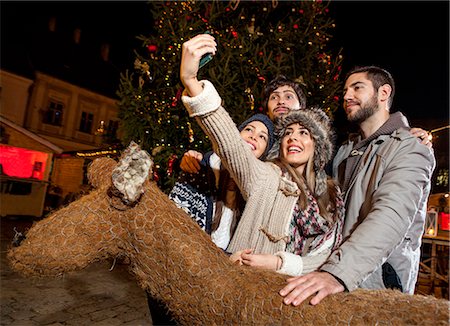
(99, 172)
(131, 172)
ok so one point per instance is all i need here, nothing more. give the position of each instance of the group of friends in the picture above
(264, 196)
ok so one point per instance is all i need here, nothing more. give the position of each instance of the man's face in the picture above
(360, 98)
(281, 101)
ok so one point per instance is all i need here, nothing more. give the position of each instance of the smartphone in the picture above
(205, 58)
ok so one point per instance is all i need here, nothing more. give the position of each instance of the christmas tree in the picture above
(257, 40)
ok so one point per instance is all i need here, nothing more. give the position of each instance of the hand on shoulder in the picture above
(422, 136)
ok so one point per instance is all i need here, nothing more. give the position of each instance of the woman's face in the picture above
(256, 135)
(297, 146)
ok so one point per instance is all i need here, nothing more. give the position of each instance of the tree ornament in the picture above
(177, 97)
(251, 26)
(300, 80)
(152, 48)
(248, 91)
(155, 175)
(143, 67)
(156, 150)
(190, 132)
(170, 162)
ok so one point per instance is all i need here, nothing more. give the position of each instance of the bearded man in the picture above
(385, 174)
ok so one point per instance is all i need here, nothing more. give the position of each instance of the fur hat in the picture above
(270, 129)
(319, 125)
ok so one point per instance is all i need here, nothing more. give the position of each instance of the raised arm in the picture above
(192, 52)
(204, 103)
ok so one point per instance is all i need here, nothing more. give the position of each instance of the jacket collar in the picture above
(396, 120)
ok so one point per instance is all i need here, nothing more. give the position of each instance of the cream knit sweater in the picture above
(264, 225)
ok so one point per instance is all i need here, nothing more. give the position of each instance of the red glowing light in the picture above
(22, 163)
(152, 48)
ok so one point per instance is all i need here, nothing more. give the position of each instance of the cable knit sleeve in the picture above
(236, 155)
(295, 265)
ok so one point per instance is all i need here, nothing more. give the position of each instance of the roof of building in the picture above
(42, 141)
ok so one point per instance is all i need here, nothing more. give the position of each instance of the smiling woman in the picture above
(297, 147)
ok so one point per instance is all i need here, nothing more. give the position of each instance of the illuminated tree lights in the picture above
(256, 42)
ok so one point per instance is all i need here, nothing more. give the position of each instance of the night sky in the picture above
(409, 38)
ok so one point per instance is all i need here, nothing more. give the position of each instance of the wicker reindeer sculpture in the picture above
(126, 215)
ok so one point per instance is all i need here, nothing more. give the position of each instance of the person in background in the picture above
(385, 176)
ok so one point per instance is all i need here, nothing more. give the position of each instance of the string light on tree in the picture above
(256, 41)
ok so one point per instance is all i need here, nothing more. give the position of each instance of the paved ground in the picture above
(94, 296)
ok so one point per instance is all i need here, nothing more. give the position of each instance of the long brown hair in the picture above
(306, 183)
(227, 184)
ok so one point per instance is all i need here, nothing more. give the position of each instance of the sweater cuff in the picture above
(207, 101)
(291, 264)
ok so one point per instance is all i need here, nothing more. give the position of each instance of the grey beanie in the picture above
(270, 129)
(319, 125)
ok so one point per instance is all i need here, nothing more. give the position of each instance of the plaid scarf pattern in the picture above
(308, 223)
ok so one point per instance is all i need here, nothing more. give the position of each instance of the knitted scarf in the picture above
(308, 226)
